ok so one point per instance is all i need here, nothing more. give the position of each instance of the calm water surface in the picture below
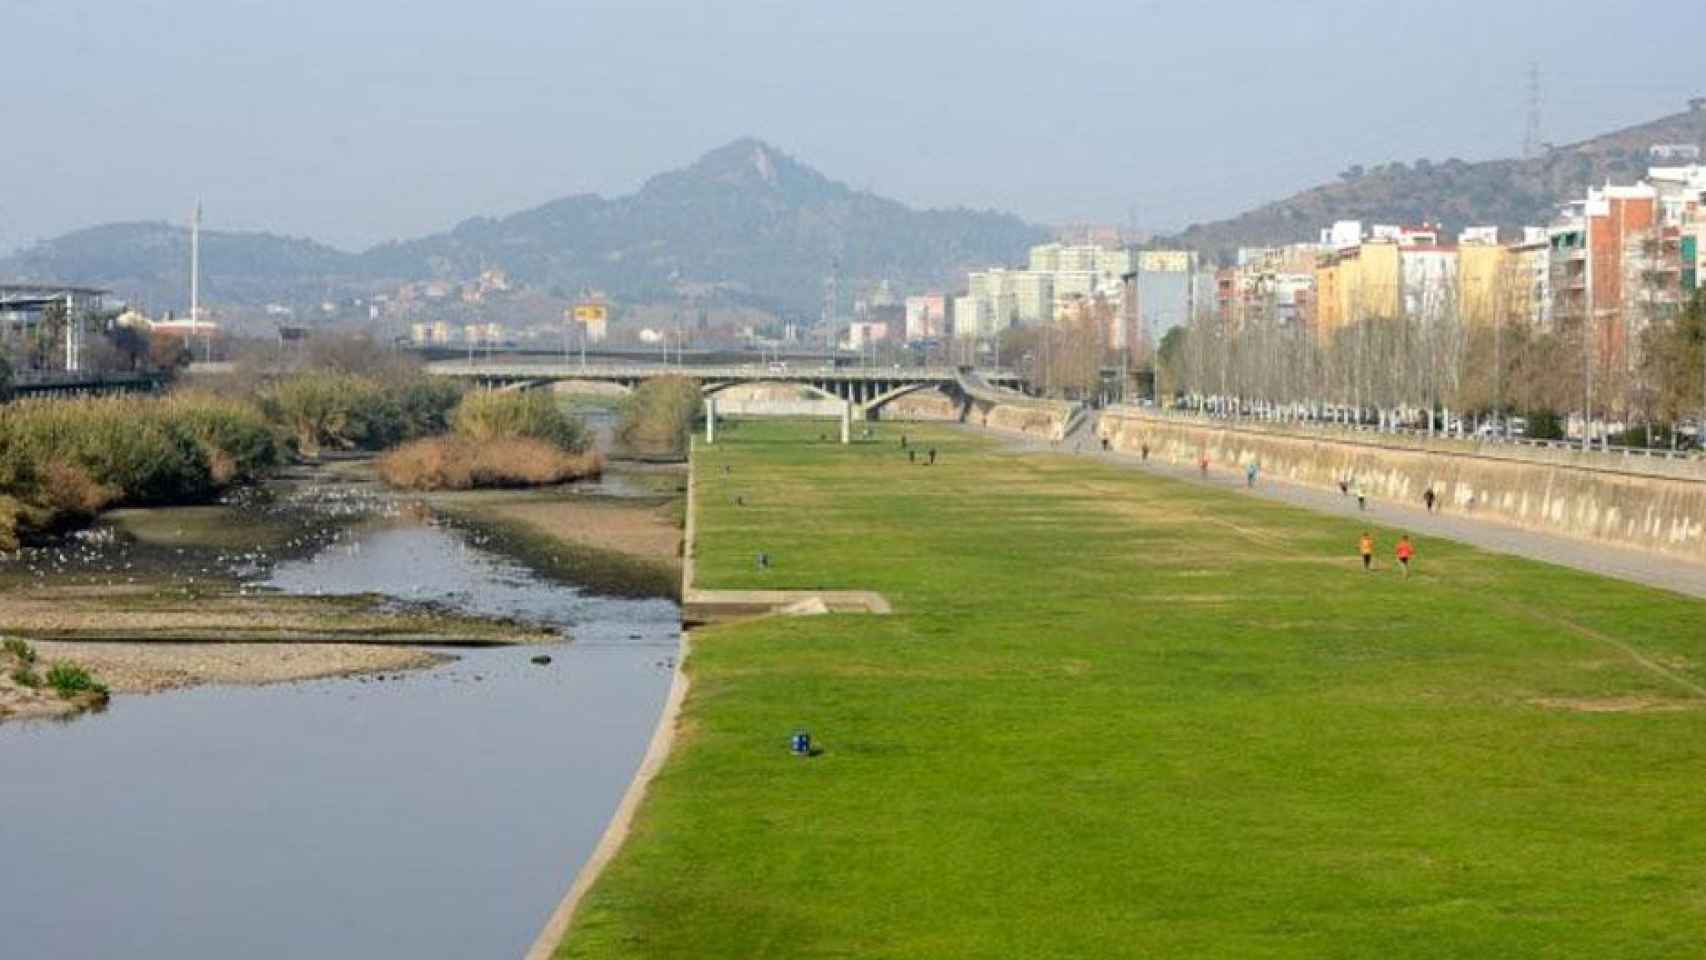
(437, 814)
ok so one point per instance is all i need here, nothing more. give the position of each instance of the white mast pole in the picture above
(195, 267)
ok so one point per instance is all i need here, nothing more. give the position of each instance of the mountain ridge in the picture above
(1508, 192)
(745, 223)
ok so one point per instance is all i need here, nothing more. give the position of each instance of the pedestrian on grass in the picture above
(1406, 550)
(903, 441)
(1365, 546)
(1202, 465)
(1250, 472)
(1104, 444)
(912, 456)
(932, 456)
(1145, 451)
(1428, 498)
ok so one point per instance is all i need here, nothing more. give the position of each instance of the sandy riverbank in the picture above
(154, 667)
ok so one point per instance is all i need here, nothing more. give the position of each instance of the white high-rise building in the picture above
(1045, 258)
(1033, 292)
(973, 317)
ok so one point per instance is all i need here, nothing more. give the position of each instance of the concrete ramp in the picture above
(700, 607)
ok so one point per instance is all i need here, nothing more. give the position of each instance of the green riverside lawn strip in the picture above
(1116, 715)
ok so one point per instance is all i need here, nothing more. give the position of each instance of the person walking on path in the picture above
(903, 441)
(1365, 546)
(1145, 450)
(1344, 486)
(1250, 472)
(1406, 550)
(1202, 464)
(1428, 499)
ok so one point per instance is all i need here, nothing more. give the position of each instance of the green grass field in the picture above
(1116, 715)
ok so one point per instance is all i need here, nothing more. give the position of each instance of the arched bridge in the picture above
(866, 388)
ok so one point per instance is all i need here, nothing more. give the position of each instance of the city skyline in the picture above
(251, 108)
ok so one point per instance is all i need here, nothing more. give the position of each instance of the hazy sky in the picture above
(354, 121)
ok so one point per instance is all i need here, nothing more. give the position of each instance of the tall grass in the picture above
(62, 461)
(489, 415)
(659, 414)
(497, 440)
(329, 410)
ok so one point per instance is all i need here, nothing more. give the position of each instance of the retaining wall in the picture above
(1044, 423)
(922, 405)
(1662, 510)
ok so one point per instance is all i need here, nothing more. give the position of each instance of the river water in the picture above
(439, 813)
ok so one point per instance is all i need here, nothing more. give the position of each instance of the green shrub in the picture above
(68, 679)
(321, 410)
(346, 411)
(486, 416)
(659, 414)
(235, 433)
(18, 650)
(25, 677)
(424, 405)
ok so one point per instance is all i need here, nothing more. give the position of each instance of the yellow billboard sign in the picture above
(591, 313)
(1164, 261)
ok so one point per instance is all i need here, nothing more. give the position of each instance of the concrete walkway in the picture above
(1638, 566)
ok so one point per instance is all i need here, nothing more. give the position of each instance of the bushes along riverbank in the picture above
(496, 440)
(658, 416)
(63, 461)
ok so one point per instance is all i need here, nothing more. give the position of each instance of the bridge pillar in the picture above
(847, 422)
(710, 420)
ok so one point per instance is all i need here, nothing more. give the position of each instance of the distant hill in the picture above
(1510, 193)
(746, 224)
(149, 262)
(746, 221)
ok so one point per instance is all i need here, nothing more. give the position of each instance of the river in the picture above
(439, 813)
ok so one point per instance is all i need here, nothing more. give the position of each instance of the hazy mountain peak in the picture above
(745, 164)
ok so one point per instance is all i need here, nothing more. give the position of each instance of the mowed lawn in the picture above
(1116, 715)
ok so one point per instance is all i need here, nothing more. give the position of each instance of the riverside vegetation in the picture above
(497, 440)
(30, 690)
(657, 418)
(1120, 715)
(63, 461)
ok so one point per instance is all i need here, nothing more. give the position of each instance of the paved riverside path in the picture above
(1638, 566)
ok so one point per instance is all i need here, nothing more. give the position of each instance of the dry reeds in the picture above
(460, 463)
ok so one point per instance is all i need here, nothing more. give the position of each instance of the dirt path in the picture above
(1637, 566)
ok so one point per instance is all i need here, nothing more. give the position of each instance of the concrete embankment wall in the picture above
(1044, 423)
(776, 400)
(921, 406)
(1656, 506)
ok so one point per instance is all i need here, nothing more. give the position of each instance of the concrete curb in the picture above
(657, 751)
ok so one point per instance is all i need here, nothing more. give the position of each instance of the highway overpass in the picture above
(868, 388)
